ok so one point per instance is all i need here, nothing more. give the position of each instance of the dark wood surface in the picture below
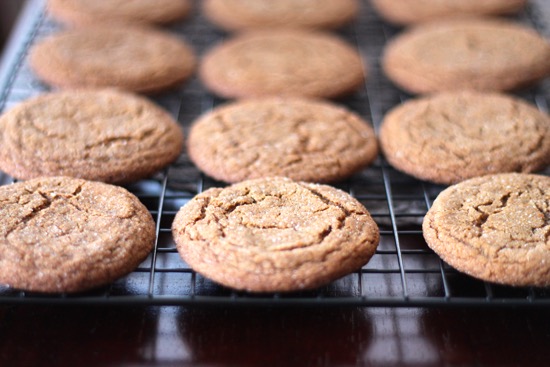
(175, 336)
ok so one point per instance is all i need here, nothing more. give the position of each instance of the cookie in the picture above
(85, 12)
(238, 15)
(61, 234)
(475, 54)
(302, 139)
(418, 11)
(133, 58)
(494, 228)
(282, 62)
(274, 235)
(102, 135)
(449, 137)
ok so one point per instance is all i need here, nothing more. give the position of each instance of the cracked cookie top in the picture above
(453, 136)
(495, 227)
(301, 139)
(61, 234)
(274, 234)
(102, 135)
(282, 63)
(472, 54)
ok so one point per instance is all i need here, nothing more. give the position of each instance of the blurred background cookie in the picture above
(477, 54)
(407, 12)
(86, 12)
(282, 63)
(137, 59)
(238, 15)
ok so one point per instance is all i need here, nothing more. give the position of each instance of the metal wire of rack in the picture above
(404, 272)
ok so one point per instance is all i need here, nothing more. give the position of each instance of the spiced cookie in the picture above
(62, 234)
(450, 137)
(274, 235)
(131, 58)
(237, 15)
(418, 11)
(301, 139)
(494, 228)
(85, 12)
(475, 54)
(103, 135)
(282, 62)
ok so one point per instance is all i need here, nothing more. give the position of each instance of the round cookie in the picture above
(409, 12)
(238, 15)
(86, 12)
(274, 235)
(62, 234)
(474, 54)
(103, 135)
(301, 139)
(282, 62)
(450, 137)
(132, 58)
(494, 228)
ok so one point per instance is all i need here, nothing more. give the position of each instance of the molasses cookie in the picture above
(450, 137)
(62, 234)
(102, 135)
(274, 235)
(282, 62)
(475, 54)
(418, 11)
(237, 15)
(86, 12)
(301, 139)
(131, 58)
(494, 228)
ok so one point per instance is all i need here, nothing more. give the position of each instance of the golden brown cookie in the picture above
(103, 135)
(494, 228)
(274, 235)
(475, 54)
(86, 12)
(449, 137)
(282, 62)
(406, 12)
(301, 139)
(132, 58)
(62, 234)
(238, 15)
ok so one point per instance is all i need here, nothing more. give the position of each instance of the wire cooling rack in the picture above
(404, 272)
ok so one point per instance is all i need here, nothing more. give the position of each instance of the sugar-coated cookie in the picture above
(302, 139)
(133, 58)
(407, 12)
(104, 135)
(238, 15)
(61, 234)
(474, 54)
(282, 63)
(449, 137)
(494, 228)
(274, 234)
(86, 12)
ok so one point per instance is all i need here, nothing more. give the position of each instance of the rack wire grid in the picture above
(404, 272)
